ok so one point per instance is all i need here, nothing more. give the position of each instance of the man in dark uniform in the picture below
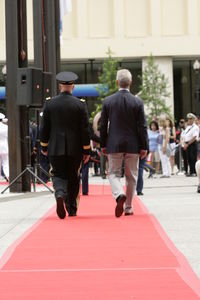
(65, 136)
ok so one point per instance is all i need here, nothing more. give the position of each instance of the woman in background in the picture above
(153, 135)
(163, 148)
(172, 143)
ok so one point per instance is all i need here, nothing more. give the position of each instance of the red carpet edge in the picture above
(185, 270)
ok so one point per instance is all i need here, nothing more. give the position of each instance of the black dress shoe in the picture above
(60, 207)
(191, 175)
(151, 173)
(72, 214)
(140, 194)
(198, 189)
(120, 205)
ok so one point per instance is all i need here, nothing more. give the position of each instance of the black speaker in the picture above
(30, 87)
(47, 85)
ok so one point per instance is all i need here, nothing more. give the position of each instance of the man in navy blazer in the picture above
(123, 134)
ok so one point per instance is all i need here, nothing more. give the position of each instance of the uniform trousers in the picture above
(192, 156)
(66, 179)
(140, 181)
(85, 178)
(115, 161)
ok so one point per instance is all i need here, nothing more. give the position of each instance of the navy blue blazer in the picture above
(123, 125)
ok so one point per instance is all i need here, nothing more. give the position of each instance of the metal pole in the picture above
(47, 37)
(197, 90)
(180, 157)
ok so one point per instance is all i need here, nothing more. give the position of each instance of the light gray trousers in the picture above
(115, 161)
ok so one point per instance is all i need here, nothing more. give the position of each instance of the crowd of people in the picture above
(170, 145)
(172, 149)
(125, 147)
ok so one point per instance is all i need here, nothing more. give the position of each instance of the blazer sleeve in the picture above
(142, 128)
(104, 126)
(45, 128)
(85, 130)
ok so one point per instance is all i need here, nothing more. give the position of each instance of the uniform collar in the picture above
(65, 93)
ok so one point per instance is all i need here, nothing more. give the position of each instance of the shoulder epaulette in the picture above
(82, 100)
(48, 98)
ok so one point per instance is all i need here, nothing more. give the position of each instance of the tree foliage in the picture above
(154, 90)
(107, 81)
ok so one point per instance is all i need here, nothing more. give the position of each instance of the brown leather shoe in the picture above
(60, 207)
(120, 205)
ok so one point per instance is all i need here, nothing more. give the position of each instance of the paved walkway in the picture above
(173, 201)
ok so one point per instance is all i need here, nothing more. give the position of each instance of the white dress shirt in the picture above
(190, 132)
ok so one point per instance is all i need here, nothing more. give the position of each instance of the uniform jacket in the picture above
(123, 124)
(65, 126)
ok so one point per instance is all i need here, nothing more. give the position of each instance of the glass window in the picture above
(135, 67)
(186, 89)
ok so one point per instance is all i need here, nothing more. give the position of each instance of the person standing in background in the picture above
(153, 135)
(179, 152)
(172, 143)
(163, 148)
(190, 143)
(123, 134)
(4, 162)
(197, 167)
(198, 139)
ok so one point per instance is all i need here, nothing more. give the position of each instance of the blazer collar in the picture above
(121, 89)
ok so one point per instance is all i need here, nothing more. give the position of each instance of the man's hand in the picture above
(86, 158)
(35, 150)
(143, 153)
(103, 151)
(45, 153)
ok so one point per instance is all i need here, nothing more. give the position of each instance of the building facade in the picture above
(133, 29)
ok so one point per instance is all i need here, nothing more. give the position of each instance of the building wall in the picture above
(131, 28)
(168, 29)
(2, 31)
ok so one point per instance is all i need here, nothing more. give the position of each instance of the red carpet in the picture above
(97, 256)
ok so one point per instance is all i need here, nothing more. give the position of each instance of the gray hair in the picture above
(124, 78)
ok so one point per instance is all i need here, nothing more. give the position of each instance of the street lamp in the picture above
(196, 67)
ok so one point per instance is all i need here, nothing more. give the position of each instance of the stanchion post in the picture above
(180, 159)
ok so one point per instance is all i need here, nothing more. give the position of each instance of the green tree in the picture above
(107, 81)
(154, 90)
